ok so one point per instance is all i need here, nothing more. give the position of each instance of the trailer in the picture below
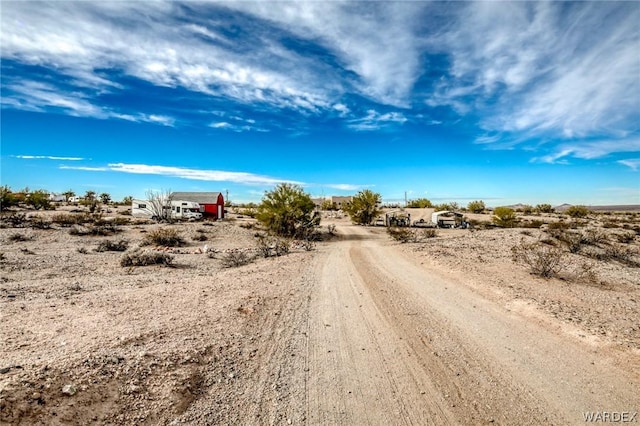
(174, 209)
(447, 219)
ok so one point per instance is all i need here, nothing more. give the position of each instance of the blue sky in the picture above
(454, 101)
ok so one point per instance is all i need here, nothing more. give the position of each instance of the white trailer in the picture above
(175, 209)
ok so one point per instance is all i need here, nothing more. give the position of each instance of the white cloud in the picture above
(375, 120)
(632, 163)
(566, 70)
(377, 41)
(49, 157)
(186, 173)
(141, 39)
(345, 186)
(590, 150)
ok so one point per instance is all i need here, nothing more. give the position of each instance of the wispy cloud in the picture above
(590, 150)
(632, 163)
(187, 173)
(557, 69)
(376, 121)
(49, 157)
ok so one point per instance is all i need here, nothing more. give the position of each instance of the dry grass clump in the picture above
(200, 235)
(168, 237)
(542, 259)
(67, 220)
(14, 220)
(18, 237)
(408, 235)
(139, 257)
(103, 229)
(109, 245)
(236, 258)
(269, 245)
(38, 222)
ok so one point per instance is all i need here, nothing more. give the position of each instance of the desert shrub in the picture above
(15, 220)
(621, 254)
(404, 235)
(526, 209)
(18, 237)
(504, 217)
(199, 236)
(559, 225)
(408, 235)
(544, 208)
(364, 207)
(477, 206)
(236, 258)
(39, 200)
(625, 238)
(543, 260)
(120, 221)
(594, 237)
(168, 237)
(66, 220)
(287, 210)
(308, 245)
(140, 257)
(108, 245)
(331, 229)
(420, 203)
(530, 224)
(610, 224)
(427, 233)
(577, 211)
(269, 245)
(38, 222)
(586, 272)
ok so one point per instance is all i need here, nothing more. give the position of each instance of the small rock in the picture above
(69, 390)
(4, 370)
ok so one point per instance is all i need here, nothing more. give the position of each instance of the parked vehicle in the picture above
(176, 209)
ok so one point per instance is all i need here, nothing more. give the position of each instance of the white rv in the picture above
(176, 209)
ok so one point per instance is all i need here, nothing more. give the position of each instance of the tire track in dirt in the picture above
(359, 371)
(391, 343)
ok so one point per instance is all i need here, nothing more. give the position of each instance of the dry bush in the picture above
(536, 224)
(559, 225)
(586, 272)
(594, 237)
(94, 230)
(66, 220)
(236, 258)
(17, 237)
(543, 260)
(269, 245)
(331, 229)
(308, 245)
(404, 235)
(139, 257)
(109, 245)
(625, 238)
(15, 220)
(38, 222)
(621, 254)
(408, 235)
(199, 236)
(168, 237)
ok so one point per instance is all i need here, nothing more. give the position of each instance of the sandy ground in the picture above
(361, 330)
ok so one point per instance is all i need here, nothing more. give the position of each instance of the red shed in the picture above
(211, 203)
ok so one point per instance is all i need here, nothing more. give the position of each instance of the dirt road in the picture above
(360, 331)
(388, 342)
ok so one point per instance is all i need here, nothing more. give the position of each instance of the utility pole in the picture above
(405, 199)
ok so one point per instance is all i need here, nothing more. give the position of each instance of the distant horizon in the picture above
(506, 102)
